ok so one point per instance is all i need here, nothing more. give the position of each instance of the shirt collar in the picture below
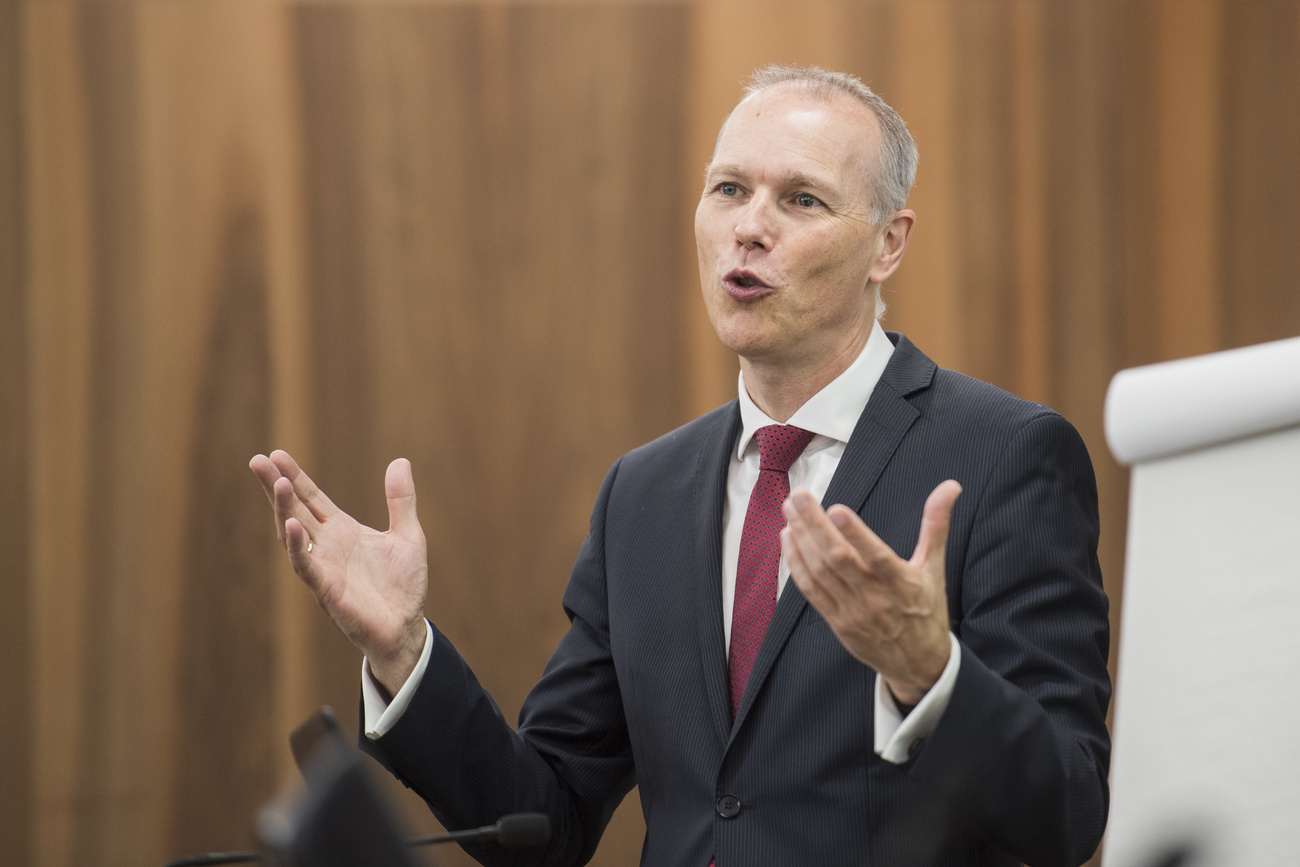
(832, 412)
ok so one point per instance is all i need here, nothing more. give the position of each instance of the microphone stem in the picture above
(217, 858)
(487, 832)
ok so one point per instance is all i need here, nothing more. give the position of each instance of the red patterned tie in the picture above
(760, 550)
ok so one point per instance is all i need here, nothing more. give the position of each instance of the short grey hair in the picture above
(892, 180)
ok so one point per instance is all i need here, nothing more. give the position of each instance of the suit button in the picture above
(728, 806)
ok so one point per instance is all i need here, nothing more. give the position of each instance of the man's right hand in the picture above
(372, 584)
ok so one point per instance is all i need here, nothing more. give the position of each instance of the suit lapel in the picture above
(711, 468)
(881, 427)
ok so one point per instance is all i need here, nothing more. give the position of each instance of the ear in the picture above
(893, 241)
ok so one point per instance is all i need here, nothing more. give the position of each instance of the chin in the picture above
(746, 344)
(741, 330)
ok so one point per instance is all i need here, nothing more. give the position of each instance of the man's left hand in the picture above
(890, 613)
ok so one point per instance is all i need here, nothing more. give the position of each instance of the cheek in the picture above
(708, 225)
(836, 285)
(844, 263)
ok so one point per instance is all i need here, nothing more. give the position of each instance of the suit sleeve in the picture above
(570, 758)
(1021, 753)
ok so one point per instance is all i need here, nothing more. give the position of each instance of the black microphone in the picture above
(514, 831)
(340, 818)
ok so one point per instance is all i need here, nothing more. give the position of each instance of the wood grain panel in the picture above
(925, 295)
(59, 303)
(1260, 172)
(222, 272)
(110, 739)
(1188, 59)
(1029, 318)
(139, 169)
(983, 182)
(524, 260)
(1136, 102)
(16, 809)
(225, 684)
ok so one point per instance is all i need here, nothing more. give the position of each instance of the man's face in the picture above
(786, 247)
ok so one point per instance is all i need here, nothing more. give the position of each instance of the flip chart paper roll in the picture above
(1178, 406)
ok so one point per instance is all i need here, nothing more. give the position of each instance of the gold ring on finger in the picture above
(310, 545)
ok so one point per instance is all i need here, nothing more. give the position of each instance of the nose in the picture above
(756, 228)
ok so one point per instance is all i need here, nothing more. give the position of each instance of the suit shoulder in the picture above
(962, 399)
(984, 422)
(956, 401)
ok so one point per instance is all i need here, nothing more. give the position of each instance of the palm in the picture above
(372, 584)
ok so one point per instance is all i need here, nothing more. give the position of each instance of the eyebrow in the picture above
(793, 179)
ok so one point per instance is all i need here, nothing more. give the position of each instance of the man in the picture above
(782, 685)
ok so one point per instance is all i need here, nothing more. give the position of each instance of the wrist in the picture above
(391, 671)
(908, 690)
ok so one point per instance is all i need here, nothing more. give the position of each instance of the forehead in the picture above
(789, 128)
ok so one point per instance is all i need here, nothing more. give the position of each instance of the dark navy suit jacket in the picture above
(636, 692)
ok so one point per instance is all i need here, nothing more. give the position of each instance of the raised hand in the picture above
(889, 613)
(372, 584)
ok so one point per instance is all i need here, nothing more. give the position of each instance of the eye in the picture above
(806, 200)
(728, 189)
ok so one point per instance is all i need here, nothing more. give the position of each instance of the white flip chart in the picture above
(1207, 705)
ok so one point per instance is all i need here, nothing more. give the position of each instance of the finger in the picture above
(287, 505)
(879, 559)
(935, 520)
(863, 539)
(399, 488)
(296, 541)
(315, 499)
(813, 589)
(831, 563)
(266, 473)
(825, 545)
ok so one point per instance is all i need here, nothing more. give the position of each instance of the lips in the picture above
(744, 285)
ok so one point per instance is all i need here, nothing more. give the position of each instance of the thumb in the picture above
(399, 488)
(933, 540)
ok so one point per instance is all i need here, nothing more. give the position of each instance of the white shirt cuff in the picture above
(896, 736)
(380, 716)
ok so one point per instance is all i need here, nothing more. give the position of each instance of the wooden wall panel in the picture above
(1260, 172)
(927, 297)
(224, 681)
(156, 202)
(1025, 145)
(222, 274)
(104, 752)
(505, 312)
(16, 756)
(57, 295)
(462, 233)
(1188, 60)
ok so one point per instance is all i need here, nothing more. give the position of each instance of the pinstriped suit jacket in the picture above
(636, 692)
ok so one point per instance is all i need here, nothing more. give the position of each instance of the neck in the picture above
(780, 388)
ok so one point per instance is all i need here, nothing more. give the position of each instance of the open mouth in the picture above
(744, 280)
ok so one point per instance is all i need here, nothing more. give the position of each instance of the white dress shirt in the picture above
(830, 414)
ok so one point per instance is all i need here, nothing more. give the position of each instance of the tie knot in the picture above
(779, 445)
